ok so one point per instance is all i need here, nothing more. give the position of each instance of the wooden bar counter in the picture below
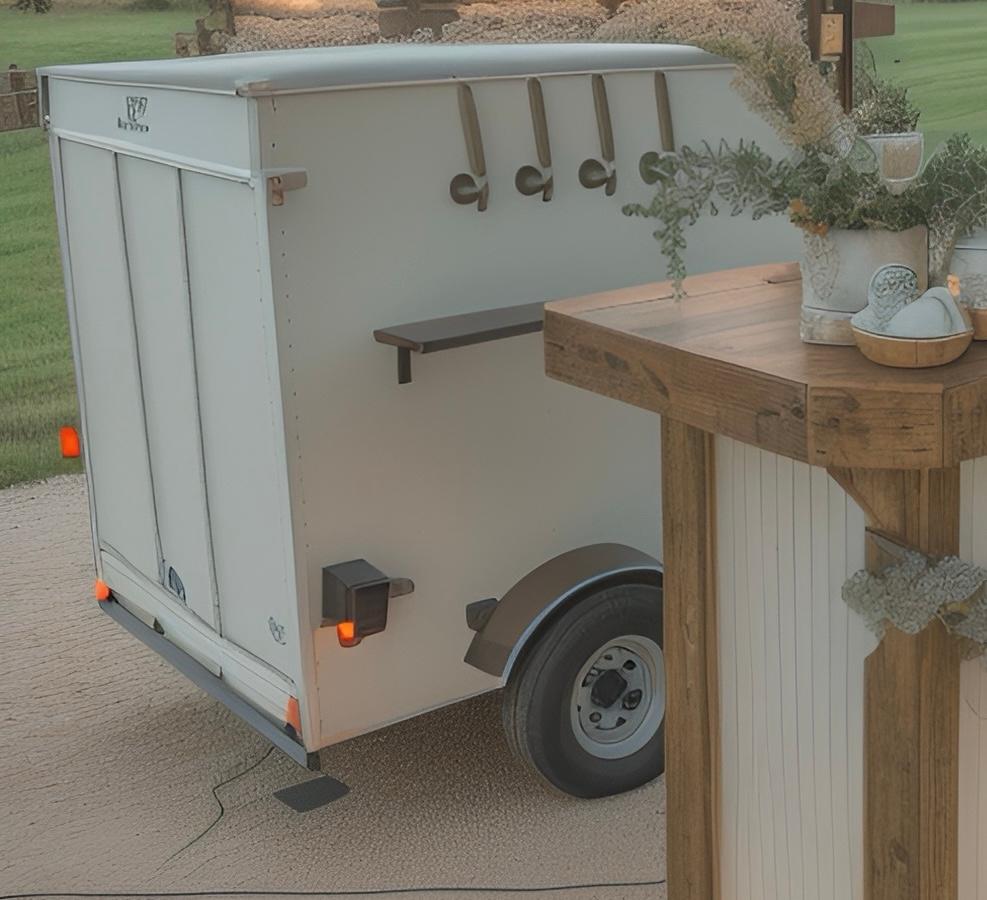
(805, 757)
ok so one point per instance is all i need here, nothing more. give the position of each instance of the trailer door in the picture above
(150, 198)
(109, 372)
(242, 426)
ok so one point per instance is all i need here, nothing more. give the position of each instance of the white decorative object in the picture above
(837, 266)
(897, 307)
(899, 158)
(904, 328)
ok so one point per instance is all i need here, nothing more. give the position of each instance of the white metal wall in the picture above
(973, 700)
(791, 679)
(481, 469)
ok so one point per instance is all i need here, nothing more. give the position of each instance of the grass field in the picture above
(938, 51)
(37, 388)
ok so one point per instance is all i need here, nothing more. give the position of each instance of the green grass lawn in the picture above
(940, 53)
(37, 387)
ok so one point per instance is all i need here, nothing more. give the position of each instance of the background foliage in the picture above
(37, 383)
(938, 53)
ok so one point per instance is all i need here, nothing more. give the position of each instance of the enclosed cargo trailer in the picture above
(318, 539)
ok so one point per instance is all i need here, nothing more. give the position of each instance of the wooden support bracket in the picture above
(912, 697)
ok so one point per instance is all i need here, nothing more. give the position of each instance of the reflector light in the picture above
(292, 715)
(68, 439)
(346, 632)
(101, 591)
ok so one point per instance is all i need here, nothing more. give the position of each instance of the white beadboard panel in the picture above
(973, 701)
(791, 680)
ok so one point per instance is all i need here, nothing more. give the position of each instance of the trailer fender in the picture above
(553, 586)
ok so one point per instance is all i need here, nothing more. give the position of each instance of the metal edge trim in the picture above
(203, 679)
(263, 88)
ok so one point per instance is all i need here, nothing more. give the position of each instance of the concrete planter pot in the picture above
(899, 158)
(837, 268)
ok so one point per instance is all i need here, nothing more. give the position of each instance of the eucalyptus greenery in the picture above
(690, 182)
(819, 190)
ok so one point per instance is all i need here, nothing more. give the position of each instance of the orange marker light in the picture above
(292, 715)
(346, 632)
(101, 590)
(68, 440)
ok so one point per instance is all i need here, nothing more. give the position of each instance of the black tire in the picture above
(537, 708)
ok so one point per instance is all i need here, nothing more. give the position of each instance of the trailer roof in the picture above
(325, 68)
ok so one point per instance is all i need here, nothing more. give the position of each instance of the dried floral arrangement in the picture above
(831, 178)
(879, 106)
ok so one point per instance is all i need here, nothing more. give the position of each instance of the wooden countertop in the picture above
(728, 359)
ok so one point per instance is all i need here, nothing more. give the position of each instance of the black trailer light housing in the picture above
(355, 599)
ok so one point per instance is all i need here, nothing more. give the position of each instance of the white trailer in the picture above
(317, 539)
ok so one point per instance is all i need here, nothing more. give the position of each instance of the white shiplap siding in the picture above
(973, 701)
(791, 679)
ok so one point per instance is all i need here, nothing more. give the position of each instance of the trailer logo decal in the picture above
(136, 110)
(277, 630)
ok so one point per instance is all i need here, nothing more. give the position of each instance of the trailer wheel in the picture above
(585, 707)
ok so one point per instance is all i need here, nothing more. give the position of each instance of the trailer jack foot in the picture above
(312, 794)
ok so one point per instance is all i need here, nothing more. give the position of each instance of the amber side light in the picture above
(292, 715)
(346, 632)
(101, 591)
(68, 440)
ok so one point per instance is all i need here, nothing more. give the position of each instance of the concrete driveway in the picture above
(117, 775)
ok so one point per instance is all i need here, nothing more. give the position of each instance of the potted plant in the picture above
(887, 120)
(858, 210)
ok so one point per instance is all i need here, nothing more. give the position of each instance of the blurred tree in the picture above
(39, 6)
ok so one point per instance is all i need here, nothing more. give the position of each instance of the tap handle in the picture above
(531, 180)
(594, 173)
(467, 189)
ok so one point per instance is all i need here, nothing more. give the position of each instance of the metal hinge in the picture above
(285, 180)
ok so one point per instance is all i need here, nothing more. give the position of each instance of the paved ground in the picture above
(117, 775)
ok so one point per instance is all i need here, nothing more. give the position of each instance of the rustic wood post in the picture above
(18, 99)
(911, 738)
(692, 711)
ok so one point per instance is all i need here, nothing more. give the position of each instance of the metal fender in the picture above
(550, 587)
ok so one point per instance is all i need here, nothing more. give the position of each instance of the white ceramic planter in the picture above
(970, 264)
(899, 158)
(837, 268)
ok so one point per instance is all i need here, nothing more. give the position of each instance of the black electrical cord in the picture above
(370, 892)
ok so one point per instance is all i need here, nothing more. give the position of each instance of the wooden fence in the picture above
(18, 99)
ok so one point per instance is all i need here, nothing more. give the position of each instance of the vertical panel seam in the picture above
(137, 360)
(187, 280)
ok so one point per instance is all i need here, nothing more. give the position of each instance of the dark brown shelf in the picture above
(450, 332)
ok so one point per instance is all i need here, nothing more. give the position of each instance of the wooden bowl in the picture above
(912, 353)
(978, 318)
